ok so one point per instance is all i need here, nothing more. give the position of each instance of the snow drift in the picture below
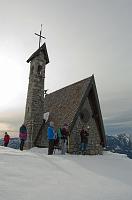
(31, 175)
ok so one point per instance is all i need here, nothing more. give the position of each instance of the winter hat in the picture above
(65, 124)
(52, 124)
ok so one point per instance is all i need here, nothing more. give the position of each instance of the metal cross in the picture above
(40, 36)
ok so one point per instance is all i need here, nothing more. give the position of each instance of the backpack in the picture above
(59, 133)
(58, 137)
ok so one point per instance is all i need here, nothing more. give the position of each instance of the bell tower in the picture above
(35, 96)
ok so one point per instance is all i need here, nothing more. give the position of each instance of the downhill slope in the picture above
(31, 175)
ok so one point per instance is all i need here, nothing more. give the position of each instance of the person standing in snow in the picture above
(51, 138)
(57, 141)
(22, 136)
(84, 139)
(6, 139)
(64, 139)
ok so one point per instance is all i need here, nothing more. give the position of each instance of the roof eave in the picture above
(36, 53)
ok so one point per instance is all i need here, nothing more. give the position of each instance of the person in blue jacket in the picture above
(51, 138)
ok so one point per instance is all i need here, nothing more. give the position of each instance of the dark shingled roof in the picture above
(36, 53)
(63, 104)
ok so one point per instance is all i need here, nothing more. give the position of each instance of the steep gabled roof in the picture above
(91, 93)
(63, 104)
(36, 53)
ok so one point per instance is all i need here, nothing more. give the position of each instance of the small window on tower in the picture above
(39, 69)
(28, 109)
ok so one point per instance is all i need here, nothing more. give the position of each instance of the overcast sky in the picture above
(83, 37)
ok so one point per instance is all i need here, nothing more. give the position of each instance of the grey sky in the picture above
(83, 37)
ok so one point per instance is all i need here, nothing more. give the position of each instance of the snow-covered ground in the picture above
(33, 175)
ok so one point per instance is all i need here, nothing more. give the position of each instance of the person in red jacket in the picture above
(6, 139)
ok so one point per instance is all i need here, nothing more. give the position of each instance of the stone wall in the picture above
(35, 98)
(94, 146)
(43, 140)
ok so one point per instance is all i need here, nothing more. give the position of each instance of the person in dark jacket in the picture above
(64, 139)
(84, 139)
(22, 136)
(51, 138)
(6, 139)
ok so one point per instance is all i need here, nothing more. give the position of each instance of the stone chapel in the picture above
(76, 104)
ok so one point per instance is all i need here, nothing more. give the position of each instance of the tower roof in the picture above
(36, 53)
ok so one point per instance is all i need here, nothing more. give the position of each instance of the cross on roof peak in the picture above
(40, 35)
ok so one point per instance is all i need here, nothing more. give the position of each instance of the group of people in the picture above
(60, 138)
(57, 138)
(22, 136)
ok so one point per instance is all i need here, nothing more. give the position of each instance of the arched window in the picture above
(39, 71)
(84, 115)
